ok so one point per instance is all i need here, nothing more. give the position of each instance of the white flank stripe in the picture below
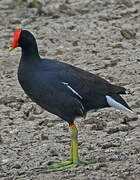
(117, 105)
(72, 90)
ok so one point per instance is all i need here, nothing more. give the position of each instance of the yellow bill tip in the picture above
(11, 48)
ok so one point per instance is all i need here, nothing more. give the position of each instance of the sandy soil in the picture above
(100, 36)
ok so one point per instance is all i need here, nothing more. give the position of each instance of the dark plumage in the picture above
(42, 80)
(60, 88)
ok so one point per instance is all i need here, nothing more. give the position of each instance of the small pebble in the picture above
(5, 161)
(14, 131)
(128, 139)
(15, 21)
(44, 137)
(1, 141)
(17, 166)
(25, 22)
(128, 33)
(128, 3)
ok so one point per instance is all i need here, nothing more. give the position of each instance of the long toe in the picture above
(60, 166)
(81, 161)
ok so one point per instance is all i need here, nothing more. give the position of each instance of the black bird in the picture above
(63, 90)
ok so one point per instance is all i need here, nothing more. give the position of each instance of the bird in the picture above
(64, 90)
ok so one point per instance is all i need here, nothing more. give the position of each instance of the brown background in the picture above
(100, 36)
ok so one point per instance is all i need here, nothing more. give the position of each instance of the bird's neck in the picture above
(30, 52)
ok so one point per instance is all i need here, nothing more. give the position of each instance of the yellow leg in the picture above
(74, 158)
(74, 144)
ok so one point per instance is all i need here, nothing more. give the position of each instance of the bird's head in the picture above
(22, 38)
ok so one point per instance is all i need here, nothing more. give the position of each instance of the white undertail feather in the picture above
(112, 102)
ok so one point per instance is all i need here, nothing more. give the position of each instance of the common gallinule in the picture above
(63, 90)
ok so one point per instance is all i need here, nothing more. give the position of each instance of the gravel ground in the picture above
(100, 36)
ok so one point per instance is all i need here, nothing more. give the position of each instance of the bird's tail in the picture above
(118, 102)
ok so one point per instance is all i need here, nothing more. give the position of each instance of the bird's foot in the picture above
(60, 166)
(68, 162)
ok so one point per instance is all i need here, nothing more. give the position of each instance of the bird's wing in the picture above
(60, 99)
(84, 82)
